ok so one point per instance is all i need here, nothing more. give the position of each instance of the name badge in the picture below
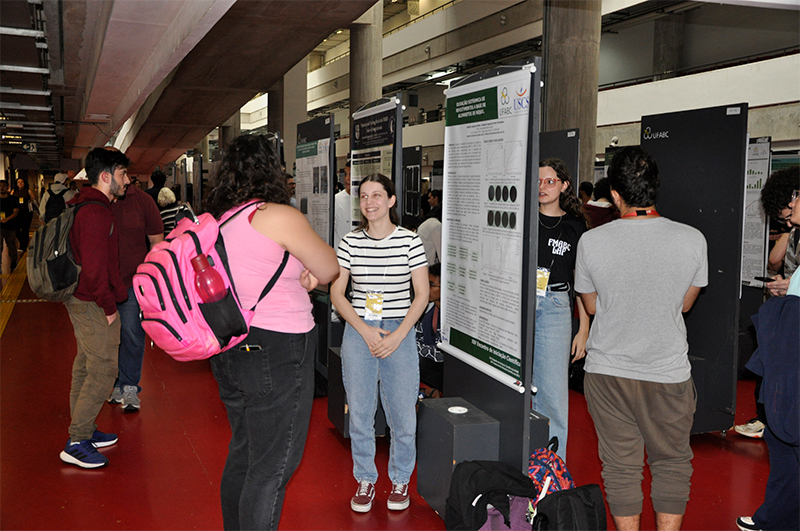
(373, 309)
(542, 278)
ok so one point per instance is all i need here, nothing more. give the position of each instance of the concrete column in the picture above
(287, 103)
(668, 45)
(275, 107)
(231, 129)
(366, 58)
(571, 46)
(295, 109)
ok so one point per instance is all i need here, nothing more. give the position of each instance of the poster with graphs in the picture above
(486, 139)
(754, 244)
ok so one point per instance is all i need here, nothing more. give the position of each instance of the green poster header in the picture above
(488, 354)
(473, 107)
(309, 149)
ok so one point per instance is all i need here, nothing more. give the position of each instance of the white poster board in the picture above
(314, 184)
(486, 157)
(754, 244)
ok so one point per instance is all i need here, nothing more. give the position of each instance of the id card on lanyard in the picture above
(373, 309)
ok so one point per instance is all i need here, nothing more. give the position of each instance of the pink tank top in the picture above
(253, 259)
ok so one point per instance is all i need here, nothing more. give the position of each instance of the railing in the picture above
(702, 68)
(393, 30)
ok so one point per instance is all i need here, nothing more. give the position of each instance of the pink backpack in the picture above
(173, 315)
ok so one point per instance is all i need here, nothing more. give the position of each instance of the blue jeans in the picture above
(268, 394)
(399, 386)
(131, 343)
(551, 363)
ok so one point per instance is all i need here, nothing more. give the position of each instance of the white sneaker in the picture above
(130, 398)
(754, 429)
(746, 523)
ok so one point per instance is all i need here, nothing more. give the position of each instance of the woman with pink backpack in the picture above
(267, 380)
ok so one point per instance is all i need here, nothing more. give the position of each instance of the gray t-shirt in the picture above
(641, 270)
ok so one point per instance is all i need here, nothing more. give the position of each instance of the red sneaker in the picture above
(362, 501)
(398, 499)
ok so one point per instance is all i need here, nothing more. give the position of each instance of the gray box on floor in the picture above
(444, 439)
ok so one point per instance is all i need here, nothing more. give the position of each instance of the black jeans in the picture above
(268, 394)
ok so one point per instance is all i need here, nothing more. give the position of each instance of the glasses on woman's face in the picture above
(795, 195)
(548, 183)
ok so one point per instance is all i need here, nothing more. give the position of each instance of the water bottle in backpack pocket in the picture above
(173, 312)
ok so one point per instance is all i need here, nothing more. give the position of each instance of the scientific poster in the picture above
(486, 139)
(374, 133)
(314, 184)
(754, 244)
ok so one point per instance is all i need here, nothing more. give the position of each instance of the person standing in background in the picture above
(9, 212)
(27, 202)
(139, 227)
(561, 224)
(379, 351)
(93, 307)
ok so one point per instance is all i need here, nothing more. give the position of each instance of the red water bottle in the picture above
(207, 280)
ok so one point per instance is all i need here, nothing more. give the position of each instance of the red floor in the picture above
(165, 470)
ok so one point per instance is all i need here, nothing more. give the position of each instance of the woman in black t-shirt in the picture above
(561, 224)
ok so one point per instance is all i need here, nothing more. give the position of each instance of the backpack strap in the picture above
(273, 280)
(220, 247)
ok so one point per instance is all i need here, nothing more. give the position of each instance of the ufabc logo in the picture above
(509, 105)
(649, 135)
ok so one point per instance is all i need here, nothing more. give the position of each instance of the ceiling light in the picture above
(24, 69)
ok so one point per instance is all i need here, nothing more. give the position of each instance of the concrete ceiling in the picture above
(180, 68)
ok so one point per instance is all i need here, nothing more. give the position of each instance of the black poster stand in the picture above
(564, 145)
(701, 156)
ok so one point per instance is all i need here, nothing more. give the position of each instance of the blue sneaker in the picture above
(83, 454)
(101, 440)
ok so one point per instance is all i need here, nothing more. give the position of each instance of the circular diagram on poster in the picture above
(497, 219)
(512, 220)
(490, 218)
(497, 192)
(513, 194)
(491, 193)
(505, 193)
(505, 219)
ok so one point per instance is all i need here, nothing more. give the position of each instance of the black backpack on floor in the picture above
(578, 509)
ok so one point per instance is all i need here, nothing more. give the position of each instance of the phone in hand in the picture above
(765, 279)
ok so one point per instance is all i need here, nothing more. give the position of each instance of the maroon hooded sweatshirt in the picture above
(95, 246)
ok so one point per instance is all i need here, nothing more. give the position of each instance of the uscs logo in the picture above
(522, 101)
(649, 135)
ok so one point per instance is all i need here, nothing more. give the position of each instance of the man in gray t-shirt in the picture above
(637, 275)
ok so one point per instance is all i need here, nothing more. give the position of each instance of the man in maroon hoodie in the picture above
(93, 307)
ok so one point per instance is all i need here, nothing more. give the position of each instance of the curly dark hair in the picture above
(388, 185)
(633, 174)
(777, 191)
(568, 200)
(249, 170)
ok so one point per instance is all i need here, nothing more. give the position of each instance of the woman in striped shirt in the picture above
(384, 261)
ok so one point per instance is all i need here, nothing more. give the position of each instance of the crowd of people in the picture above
(606, 256)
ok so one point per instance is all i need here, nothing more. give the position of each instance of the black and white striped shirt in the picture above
(384, 266)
